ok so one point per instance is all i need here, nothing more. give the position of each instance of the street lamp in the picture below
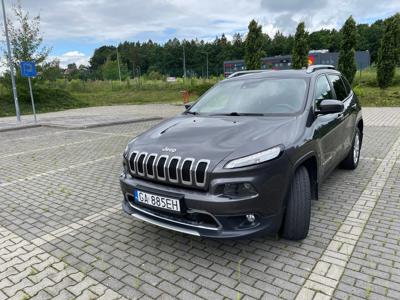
(10, 63)
(119, 67)
(207, 64)
(184, 60)
(206, 53)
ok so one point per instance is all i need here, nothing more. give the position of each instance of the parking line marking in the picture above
(71, 167)
(48, 237)
(107, 133)
(26, 250)
(37, 136)
(371, 158)
(326, 274)
(53, 147)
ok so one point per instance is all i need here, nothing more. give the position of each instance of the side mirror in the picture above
(330, 106)
(188, 105)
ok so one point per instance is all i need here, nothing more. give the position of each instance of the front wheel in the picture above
(298, 210)
(353, 157)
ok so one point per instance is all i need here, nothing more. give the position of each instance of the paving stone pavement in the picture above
(63, 234)
(93, 116)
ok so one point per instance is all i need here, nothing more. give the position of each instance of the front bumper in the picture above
(210, 215)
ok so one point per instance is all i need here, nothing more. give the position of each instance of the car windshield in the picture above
(253, 97)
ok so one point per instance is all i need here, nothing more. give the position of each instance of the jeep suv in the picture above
(247, 157)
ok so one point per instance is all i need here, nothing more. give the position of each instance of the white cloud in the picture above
(70, 57)
(99, 21)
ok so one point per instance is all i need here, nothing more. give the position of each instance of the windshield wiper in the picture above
(234, 113)
(192, 113)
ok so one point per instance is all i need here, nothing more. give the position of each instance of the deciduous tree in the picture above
(388, 54)
(300, 48)
(347, 63)
(254, 46)
(26, 38)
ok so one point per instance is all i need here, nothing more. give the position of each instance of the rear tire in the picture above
(298, 210)
(353, 157)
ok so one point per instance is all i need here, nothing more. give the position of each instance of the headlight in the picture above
(254, 158)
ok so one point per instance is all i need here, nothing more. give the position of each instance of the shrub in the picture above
(201, 88)
(154, 75)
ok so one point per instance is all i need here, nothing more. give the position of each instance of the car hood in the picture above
(216, 137)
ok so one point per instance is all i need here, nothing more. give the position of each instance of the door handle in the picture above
(340, 116)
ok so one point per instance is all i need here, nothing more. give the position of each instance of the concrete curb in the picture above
(112, 123)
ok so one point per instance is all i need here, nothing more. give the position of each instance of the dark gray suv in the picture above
(248, 157)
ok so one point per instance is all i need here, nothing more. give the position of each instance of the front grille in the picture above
(173, 169)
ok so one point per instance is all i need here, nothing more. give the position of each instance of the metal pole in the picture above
(207, 63)
(33, 102)
(119, 68)
(184, 61)
(14, 88)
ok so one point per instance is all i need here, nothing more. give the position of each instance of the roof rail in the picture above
(240, 73)
(314, 68)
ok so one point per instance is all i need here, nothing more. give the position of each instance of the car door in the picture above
(327, 127)
(345, 117)
(350, 105)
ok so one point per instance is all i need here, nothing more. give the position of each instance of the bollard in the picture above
(185, 96)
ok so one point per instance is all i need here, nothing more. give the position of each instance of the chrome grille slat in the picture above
(187, 182)
(163, 178)
(178, 158)
(133, 170)
(143, 163)
(153, 175)
(188, 171)
(201, 183)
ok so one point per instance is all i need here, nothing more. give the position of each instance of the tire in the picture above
(298, 210)
(353, 157)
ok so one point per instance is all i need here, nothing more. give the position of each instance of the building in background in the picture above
(284, 62)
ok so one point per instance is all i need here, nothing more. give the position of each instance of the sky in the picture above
(74, 28)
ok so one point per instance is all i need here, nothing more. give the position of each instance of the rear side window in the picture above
(339, 87)
(322, 90)
(347, 85)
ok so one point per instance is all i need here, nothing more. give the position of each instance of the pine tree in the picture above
(253, 46)
(300, 48)
(347, 64)
(388, 54)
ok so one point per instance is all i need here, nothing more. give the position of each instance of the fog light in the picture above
(251, 218)
(239, 189)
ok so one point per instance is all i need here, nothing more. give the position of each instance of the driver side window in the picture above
(322, 90)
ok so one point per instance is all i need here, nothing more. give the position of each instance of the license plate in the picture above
(157, 201)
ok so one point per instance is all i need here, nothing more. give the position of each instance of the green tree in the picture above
(347, 63)
(26, 43)
(237, 46)
(100, 56)
(26, 38)
(110, 70)
(388, 54)
(320, 39)
(279, 45)
(51, 70)
(254, 46)
(300, 48)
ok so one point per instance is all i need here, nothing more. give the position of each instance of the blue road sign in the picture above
(28, 69)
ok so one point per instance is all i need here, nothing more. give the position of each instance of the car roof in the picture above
(303, 73)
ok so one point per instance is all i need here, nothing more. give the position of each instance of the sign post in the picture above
(28, 69)
(10, 64)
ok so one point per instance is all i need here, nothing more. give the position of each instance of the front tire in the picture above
(298, 210)
(352, 159)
